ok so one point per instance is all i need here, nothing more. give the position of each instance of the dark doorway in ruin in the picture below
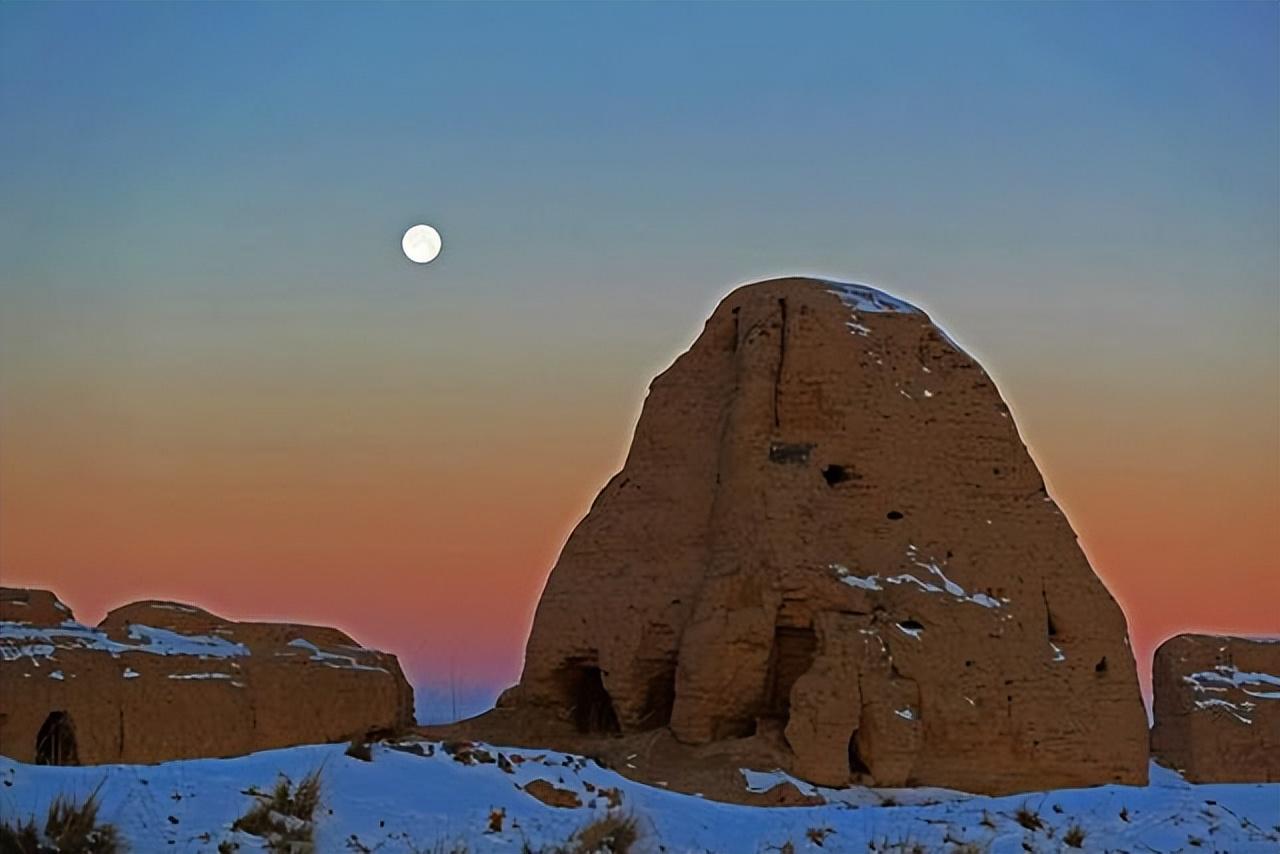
(793, 651)
(56, 741)
(590, 705)
(856, 765)
(659, 699)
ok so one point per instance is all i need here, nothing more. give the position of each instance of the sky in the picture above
(221, 381)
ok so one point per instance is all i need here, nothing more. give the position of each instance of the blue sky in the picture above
(200, 249)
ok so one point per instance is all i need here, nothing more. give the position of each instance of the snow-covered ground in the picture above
(406, 801)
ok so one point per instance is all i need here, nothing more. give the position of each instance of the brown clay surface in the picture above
(1217, 708)
(829, 546)
(161, 680)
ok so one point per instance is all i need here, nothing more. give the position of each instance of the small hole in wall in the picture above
(894, 515)
(834, 474)
(1101, 666)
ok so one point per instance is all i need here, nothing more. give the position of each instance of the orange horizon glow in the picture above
(436, 549)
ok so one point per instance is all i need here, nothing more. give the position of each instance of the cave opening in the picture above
(660, 698)
(56, 741)
(590, 706)
(856, 764)
(792, 656)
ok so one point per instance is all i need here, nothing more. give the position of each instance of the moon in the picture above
(421, 244)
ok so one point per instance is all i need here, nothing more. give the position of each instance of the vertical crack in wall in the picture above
(782, 357)
(1051, 628)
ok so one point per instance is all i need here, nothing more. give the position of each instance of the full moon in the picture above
(421, 244)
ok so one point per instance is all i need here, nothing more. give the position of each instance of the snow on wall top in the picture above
(19, 640)
(330, 659)
(861, 297)
(866, 299)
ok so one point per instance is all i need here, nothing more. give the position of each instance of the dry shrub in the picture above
(614, 833)
(1074, 836)
(1029, 818)
(283, 816)
(818, 835)
(70, 827)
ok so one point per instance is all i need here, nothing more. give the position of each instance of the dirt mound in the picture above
(828, 536)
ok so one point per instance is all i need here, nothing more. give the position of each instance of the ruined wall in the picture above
(1216, 706)
(161, 680)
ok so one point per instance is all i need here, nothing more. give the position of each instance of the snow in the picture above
(19, 640)
(401, 801)
(1058, 654)
(1237, 711)
(859, 328)
(1227, 675)
(763, 781)
(910, 631)
(1223, 678)
(866, 298)
(854, 580)
(906, 714)
(57, 674)
(331, 659)
(872, 582)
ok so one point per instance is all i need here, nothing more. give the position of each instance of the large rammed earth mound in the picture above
(828, 543)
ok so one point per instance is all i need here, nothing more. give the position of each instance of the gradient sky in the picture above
(221, 382)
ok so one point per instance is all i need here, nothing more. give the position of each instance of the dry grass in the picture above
(615, 833)
(70, 827)
(818, 835)
(1028, 818)
(1074, 836)
(283, 816)
(612, 833)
